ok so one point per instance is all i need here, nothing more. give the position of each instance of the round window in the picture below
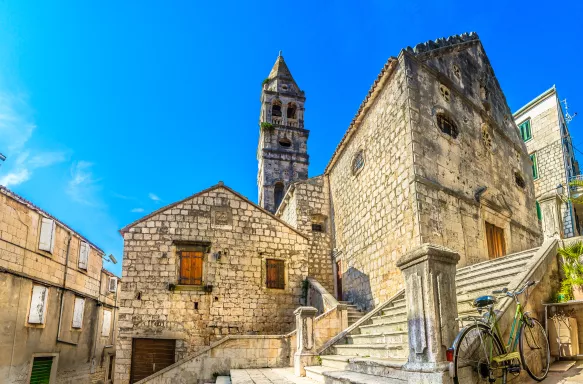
(357, 162)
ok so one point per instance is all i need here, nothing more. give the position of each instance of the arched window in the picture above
(278, 193)
(276, 108)
(447, 125)
(285, 142)
(291, 111)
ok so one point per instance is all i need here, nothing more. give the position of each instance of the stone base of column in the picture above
(302, 360)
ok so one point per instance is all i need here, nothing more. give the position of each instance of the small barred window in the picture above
(447, 125)
(357, 162)
(519, 180)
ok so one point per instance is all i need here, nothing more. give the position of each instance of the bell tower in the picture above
(283, 142)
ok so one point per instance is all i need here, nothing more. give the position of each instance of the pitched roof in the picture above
(280, 70)
(216, 186)
(33, 207)
(377, 86)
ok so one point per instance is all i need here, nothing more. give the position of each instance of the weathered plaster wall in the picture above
(375, 219)
(487, 152)
(239, 302)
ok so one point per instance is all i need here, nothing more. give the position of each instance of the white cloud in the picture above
(153, 197)
(82, 185)
(137, 210)
(16, 129)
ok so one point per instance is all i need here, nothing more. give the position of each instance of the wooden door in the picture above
(150, 356)
(495, 240)
(339, 280)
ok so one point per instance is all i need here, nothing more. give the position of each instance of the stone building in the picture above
(432, 156)
(58, 306)
(545, 132)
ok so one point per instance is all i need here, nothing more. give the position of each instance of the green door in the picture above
(41, 370)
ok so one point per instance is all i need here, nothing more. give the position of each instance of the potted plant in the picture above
(572, 285)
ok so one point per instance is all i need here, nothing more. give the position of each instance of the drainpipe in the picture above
(63, 294)
(92, 369)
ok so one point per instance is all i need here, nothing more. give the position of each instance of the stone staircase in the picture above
(354, 314)
(376, 348)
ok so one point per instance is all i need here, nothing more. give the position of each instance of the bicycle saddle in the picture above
(484, 301)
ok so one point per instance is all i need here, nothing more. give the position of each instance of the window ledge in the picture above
(189, 288)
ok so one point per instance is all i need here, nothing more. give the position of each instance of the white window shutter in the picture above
(112, 284)
(83, 255)
(47, 235)
(106, 323)
(38, 304)
(78, 312)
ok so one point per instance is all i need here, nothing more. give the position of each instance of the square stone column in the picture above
(429, 272)
(305, 350)
(552, 221)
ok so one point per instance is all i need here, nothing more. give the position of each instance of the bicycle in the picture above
(478, 354)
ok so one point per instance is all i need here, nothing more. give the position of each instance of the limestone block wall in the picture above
(374, 208)
(307, 203)
(23, 264)
(238, 303)
(486, 156)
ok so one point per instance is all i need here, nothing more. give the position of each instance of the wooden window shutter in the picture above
(106, 327)
(47, 235)
(275, 274)
(78, 310)
(495, 240)
(41, 370)
(38, 304)
(83, 255)
(191, 267)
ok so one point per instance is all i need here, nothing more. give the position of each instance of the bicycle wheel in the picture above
(475, 348)
(534, 349)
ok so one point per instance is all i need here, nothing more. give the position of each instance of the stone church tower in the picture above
(282, 152)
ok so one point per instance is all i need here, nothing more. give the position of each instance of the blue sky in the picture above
(110, 110)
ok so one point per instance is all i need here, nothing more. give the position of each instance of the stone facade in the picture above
(80, 351)
(550, 143)
(283, 142)
(232, 297)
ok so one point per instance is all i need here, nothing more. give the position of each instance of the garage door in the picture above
(150, 356)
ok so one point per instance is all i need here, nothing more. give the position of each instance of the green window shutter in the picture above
(538, 212)
(41, 370)
(534, 166)
(525, 130)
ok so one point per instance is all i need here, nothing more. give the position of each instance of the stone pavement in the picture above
(267, 376)
(572, 376)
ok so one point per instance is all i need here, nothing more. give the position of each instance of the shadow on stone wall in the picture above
(356, 288)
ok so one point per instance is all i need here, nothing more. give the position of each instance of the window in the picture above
(447, 125)
(519, 180)
(534, 166)
(285, 142)
(357, 162)
(495, 239)
(291, 111)
(106, 327)
(538, 211)
(317, 227)
(525, 130)
(83, 255)
(278, 194)
(112, 284)
(78, 310)
(47, 235)
(41, 370)
(190, 267)
(276, 109)
(38, 304)
(275, 274)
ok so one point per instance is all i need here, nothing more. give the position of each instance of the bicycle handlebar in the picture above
(516, 292)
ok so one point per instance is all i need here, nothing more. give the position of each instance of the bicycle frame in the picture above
(510, 349)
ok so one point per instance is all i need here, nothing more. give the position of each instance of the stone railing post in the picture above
(550, 206)
(429, 272)
(342, 312)
(306, 350)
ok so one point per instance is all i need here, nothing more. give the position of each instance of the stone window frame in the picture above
(179, 246)
(319, 219)
(263, 282)
(54, 366)
(356, 172)
(448, 116)
(519, 180)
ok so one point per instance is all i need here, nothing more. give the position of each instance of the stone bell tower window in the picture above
(276, 109)
(285, 142)
(291, 111)
(447, 125)
(278, 193)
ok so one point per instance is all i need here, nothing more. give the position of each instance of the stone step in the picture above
(378, 338)
(386, 351)
(483, 288)
(389, 318)
(394, 311)
(345, 377)
(315, 372)
(506, 274)
(493, 263)
(517, 265)
(378, 367)
(335, 361)
(389, 326)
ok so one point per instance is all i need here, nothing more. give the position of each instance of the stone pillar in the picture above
(429, 272)
(550, 206)
(342, 311)
(306, 350)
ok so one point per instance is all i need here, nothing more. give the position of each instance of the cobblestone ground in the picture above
(267, 376)
(572, 376)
